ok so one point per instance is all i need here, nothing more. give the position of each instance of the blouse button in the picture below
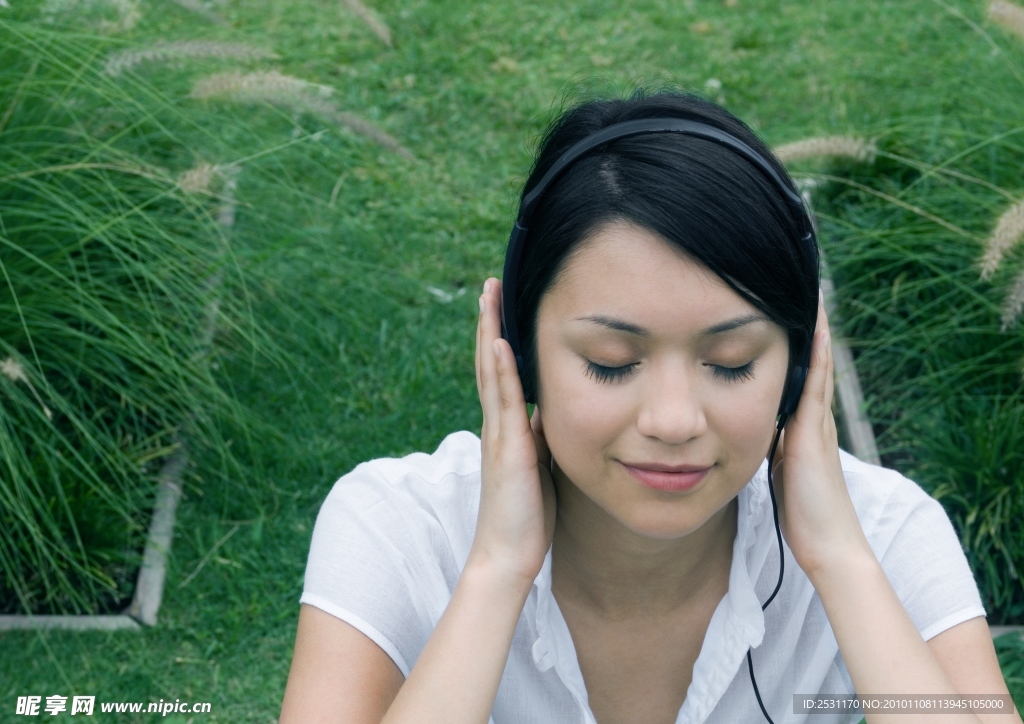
(542, 655)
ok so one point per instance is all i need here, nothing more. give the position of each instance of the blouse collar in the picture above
(736, 625)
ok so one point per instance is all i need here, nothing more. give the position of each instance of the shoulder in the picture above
(916, 544)
(390, 541)
(886, 500)
(458, 455)
(407, 498)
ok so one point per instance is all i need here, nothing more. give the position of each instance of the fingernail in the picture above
(487, 286)
(821, 295)
(481, 300)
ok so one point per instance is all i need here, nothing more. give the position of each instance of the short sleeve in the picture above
(386, 547)
(924, 560)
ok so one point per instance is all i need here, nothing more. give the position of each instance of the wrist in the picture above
(841, 567)
(508, 576)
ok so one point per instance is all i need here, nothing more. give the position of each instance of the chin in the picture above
(665, 521)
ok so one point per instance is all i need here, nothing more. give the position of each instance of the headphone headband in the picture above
(615, 132)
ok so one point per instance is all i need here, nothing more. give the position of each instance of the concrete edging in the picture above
(149, 586)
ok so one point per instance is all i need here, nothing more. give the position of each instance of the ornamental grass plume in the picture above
(1009, 230)
(163, 52)
(378, 26)
(12, 370)
(299, 95)
(856, 149)
(201, 178)
(1008, 15)
(1014, 304)
(270, 86)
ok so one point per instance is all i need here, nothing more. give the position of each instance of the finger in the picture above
(829, 362)
(480, 330)
(489, 394)
(510, 393)
(814, 387)
(830, 369)
(510, 388)
(476, 352)
(481, 348)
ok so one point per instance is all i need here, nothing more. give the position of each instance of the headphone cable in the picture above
(782, 557)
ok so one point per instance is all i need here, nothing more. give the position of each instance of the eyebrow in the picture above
(630, 328)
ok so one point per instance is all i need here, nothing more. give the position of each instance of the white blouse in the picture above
(393, 535)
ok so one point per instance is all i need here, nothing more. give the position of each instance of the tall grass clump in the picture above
(907, 241)
(111, 274)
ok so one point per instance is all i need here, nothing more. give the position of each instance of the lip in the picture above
(665, 477)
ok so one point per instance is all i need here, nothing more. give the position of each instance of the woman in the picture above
(607, 559)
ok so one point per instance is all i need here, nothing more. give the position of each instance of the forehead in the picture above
(627, 270)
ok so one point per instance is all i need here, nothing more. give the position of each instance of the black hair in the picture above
(703, 198)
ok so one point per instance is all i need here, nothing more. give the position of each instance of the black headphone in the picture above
(517, 242)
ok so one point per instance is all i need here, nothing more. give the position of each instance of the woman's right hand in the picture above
(517, 497)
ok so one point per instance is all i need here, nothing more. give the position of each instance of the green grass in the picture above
(381, 366)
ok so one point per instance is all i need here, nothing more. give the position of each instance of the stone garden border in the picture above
(149, 586)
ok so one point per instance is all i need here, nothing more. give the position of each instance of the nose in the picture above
(671, 409)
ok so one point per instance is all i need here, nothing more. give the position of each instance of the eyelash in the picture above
(608, 374)
(732, 374)
(614, 374)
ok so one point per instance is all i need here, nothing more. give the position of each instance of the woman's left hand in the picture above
(816, 513)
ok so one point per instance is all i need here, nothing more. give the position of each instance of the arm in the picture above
(886, 655)
(456, 678)
(339, 674)
(882, 648)
(967, 655)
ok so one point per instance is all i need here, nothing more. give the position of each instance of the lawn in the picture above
(369, 260)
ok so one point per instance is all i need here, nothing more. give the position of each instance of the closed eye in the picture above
(602, 373)
(731, 374)
(608, 374)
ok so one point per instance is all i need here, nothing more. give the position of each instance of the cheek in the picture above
(745, 419)
(579, 422)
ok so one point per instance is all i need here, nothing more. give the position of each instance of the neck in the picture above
(602, 565)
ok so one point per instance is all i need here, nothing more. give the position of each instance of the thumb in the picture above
(543, 451)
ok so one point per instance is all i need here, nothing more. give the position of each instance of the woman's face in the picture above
(634, 372)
